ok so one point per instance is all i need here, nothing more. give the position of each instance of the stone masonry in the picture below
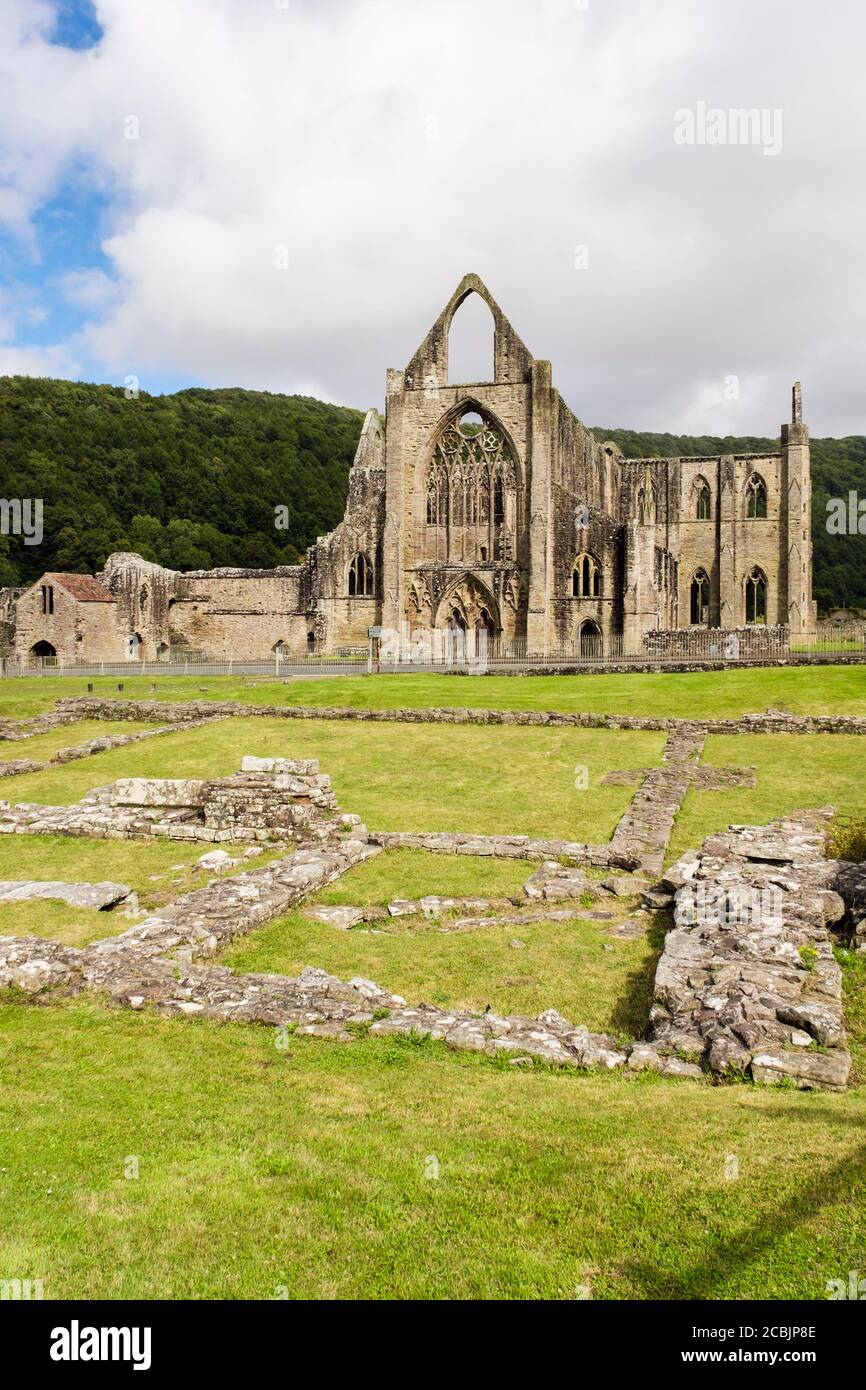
(270, 799)
(747, 980)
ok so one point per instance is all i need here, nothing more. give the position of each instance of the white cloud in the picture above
(391, 148)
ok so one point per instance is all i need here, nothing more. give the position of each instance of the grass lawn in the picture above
(802, 689)
(793, 771)
(561, 965)
(305, 1170)
(413, 873)
(42, 746)
(399, 776)
(312, 1169)
(158, 870)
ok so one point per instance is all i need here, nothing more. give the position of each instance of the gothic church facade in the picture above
(482, 507)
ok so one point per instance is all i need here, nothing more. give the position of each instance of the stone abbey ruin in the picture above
(484, 507)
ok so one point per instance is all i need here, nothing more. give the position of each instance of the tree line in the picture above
(201, 478)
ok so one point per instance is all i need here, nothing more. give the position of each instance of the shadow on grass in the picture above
(630, 1014)
(702, 1279)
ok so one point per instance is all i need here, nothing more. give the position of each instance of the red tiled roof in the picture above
(83, 587)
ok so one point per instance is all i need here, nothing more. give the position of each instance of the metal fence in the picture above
(475, 651)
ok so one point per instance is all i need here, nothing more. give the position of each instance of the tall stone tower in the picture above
(797, 484)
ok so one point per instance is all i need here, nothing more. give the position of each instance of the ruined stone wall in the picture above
(336, 617)
(221, 612)
(725, 643)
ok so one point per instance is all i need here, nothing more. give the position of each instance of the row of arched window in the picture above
(755, 595)
(586, 583)
(755, 507)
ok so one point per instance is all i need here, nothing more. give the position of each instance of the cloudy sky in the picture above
(283, 193)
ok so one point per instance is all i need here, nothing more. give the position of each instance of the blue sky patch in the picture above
(77, 25)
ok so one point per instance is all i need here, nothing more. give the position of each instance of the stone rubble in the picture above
(287, 800)
(764, 997)
(747, 979)
(555, 882)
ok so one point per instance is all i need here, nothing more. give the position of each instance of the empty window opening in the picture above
(470, 342)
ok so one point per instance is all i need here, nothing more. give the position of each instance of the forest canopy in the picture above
(190, 480)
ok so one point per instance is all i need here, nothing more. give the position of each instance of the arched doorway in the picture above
(589, 639)
(133, 647)
(41, 651)
(470, 617)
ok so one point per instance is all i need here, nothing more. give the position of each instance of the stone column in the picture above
(392, 540)
(730, 600)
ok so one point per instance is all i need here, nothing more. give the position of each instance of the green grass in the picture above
(55, 921)
(262, 1169)
(42, 746)
(793, 771)
(701, 694)
(147, 866)
(562, 965)
(304, 1169)
(399, 776)
(402, 873)
(854, 998)
(848, 838)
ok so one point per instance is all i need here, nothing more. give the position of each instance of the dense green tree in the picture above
(190, 480)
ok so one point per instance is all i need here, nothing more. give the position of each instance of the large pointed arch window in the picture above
(756, 498)
(472, 487)
(360, 577)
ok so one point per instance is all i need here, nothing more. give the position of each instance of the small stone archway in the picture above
(134, 646)
(40, 651)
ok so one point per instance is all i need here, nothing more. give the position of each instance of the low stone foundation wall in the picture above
(505, 847)
(718, 643)
(771, 722)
